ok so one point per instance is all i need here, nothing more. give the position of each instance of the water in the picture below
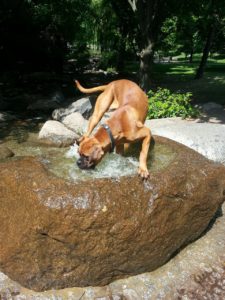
(23, 141)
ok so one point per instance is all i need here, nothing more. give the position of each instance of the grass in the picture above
(178, 76)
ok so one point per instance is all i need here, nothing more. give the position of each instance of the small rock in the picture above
(211, 106)
(5, 116)
(75, 122)
(56, 134)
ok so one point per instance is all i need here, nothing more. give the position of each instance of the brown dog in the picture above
(126, 125)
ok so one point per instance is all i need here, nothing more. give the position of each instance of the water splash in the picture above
(112, 166)
(62, 161)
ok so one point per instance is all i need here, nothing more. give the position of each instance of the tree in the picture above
(214, 13)
(150, 16)
(37, 33)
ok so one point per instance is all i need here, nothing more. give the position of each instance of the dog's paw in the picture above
(143, 173)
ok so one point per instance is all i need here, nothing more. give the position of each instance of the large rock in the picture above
(54, 101)
(207, 139)
(84, 106)
(57, 234)
(56, 134)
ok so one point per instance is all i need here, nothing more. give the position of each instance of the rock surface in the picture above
(58, 234)
(5, 116)
(56, 134)
(207, 139)
(54, 101)
(75, 122)
(83, 106)
(5, 152)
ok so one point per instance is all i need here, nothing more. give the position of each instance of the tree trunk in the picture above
(209, 39)
(201, 68)
(146, 61)
(191, 56)
(150, 16)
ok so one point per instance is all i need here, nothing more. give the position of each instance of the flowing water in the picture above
(62, 161)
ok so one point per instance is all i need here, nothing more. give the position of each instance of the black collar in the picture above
(108, 130)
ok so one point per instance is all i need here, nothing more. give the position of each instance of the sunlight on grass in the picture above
(181, 70)
(178, 76)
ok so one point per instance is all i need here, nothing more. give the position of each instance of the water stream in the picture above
(62, 161)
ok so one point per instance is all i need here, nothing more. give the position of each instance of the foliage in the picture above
(163, 103)
(168, 43)
(108, 59)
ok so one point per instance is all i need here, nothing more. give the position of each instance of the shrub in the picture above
(163, 103)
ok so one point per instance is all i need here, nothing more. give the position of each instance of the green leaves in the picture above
(163, 103)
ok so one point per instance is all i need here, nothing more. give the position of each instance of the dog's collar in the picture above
(108, 130)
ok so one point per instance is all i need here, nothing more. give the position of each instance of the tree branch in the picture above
(133, 4)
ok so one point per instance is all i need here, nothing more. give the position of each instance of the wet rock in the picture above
(56, 134)
(66, 234)
(49, 103)
(83, 106)
(5, 116)
(5, 152)
(75, 122)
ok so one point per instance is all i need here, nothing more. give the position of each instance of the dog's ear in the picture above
(97, 153)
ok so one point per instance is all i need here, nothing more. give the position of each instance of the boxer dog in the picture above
(126, 125)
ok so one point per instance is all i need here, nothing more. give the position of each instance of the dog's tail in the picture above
(100, 88)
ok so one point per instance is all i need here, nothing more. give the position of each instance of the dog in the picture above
(126, 125)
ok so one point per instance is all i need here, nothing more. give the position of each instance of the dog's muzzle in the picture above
(84, 163)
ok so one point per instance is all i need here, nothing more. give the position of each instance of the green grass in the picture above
(179, 76)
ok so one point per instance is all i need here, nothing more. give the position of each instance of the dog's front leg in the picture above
(146, 134)
(120, 149)
(103, 103)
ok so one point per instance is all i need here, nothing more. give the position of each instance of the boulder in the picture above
(83, 106)
(57, 234)
(75, 122)
(207, 139)
(5, 152)
(49, 103)
(56, 134)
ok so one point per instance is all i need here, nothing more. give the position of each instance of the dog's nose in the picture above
(79, 162)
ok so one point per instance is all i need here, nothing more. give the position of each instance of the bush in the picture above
(163, 103)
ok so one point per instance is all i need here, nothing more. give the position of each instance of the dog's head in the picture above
(90, 152)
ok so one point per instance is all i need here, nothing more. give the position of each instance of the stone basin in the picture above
(56, 233)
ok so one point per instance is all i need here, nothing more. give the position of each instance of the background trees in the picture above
(43, 34)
